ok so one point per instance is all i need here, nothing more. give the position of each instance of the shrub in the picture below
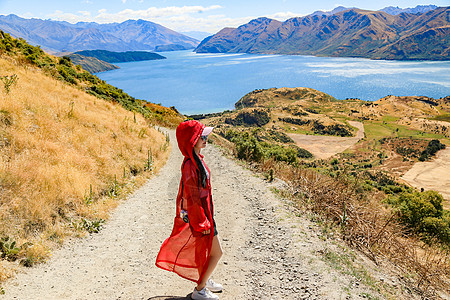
(423, 213)
(279, 153)
(68, 74)
(301, 153)
(8, 81)
(436, 227)
(280, 136)
(335, 129)
(414, 207)
(433, 147)
(247, 147)
(249, 118)
(295, 121)
(65, 60)
(334, 161)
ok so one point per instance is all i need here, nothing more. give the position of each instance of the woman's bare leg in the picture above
(216, 254)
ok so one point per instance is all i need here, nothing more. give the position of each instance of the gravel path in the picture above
(268, 252)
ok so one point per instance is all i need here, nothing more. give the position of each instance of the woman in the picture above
(193, 248)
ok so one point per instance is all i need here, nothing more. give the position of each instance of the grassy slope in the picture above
(91, 64)
(350, 188)
(66, 156)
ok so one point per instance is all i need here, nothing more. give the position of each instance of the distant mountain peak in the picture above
(415, 10)
(130, 35)
(331, 12)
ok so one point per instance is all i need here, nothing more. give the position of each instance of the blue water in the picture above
(202, 83)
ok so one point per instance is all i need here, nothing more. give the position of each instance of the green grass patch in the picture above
(444, 117)
(390, 119)
(376, 130)
(345, 263)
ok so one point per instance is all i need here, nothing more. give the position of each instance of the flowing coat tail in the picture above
(186, 252)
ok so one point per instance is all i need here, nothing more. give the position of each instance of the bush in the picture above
(392, 189)
(249, 118)
(424, 214)
(248, 148)
(301, 153)
(433, 147)
(436, 227)
(68, 74)
(414, 207)
(65, 60)
(295, 121)
(280, 136)
(279, 153)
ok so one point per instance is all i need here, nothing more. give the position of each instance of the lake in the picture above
(203, 83)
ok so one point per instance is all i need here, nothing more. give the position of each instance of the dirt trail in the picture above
(268, 252)
(326, 146)
(432, 175)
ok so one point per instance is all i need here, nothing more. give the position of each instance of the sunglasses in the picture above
(204, 137)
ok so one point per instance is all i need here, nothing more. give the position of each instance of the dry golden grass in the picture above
(370, 227)
(56, 142)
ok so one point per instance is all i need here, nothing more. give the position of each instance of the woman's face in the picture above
(201, 143)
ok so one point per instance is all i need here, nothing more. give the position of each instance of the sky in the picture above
(195, 15)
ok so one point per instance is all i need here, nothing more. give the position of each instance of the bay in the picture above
(203, 83)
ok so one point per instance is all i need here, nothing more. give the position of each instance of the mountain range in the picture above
(131, 35)
(390, 10)
(347, 33)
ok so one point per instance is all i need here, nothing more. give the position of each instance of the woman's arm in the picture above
(197, 216)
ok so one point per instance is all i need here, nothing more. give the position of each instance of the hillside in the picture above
(95, 61)
(71, 146)
(91, 64)
(310, 124)
(116, 57)
(306, 106)
(360, 188)
(349, 33)
(131, 35)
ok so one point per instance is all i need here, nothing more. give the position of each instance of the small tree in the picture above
(8, 81)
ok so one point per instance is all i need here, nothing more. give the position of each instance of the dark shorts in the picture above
(215, 228)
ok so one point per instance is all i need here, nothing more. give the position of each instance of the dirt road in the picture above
(432, 175)
(323, 147)
(268, 252)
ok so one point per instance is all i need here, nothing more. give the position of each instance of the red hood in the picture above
(188, 133)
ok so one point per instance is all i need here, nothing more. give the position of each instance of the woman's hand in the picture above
(206, 231)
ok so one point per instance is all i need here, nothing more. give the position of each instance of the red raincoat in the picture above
(186, 252)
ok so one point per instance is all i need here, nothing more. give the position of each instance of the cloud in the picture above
(211, 24)
(283, 16)
(86, 14)
(179, 18)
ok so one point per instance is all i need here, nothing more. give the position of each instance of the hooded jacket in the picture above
(186, 252)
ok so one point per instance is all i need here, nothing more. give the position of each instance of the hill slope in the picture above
(285, 259)
(66, 37)
(70, 145)
(115, 57)
(359, 188)
(351, 33)
(91, 64)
